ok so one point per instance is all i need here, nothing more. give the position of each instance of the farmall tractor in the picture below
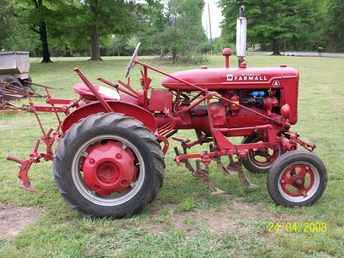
(109, 160)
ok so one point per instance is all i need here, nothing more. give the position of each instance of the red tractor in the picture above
(110, 155)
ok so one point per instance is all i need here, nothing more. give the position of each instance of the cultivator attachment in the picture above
(48, 137)
(227, 170)
(201, 168)
(201, 173)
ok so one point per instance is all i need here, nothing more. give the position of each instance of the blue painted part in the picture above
(257, 94)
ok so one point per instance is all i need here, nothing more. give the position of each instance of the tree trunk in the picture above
(44, 40)
(95, 45)
(174, 54)
(275, 48)
(42, 31)
(68, 51)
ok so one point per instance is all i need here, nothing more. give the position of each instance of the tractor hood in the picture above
(234, 78)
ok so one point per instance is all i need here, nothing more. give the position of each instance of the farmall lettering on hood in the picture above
(231, 78)
(246, 77)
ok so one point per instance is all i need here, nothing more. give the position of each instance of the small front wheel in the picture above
(297, 178)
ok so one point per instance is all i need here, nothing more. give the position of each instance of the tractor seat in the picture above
(105, 92)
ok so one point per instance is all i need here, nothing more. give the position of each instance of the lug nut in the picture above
(92, 161)
(118, 156)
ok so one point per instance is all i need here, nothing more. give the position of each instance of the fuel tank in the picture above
(232, 78)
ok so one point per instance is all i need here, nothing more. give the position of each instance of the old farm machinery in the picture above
(15, 82)
(109, 160)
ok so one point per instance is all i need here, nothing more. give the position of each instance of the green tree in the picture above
(116, 43)
(39, 14)
(274, 24)
(152, 24)
(183, 32)
(335, 24)
(101, 18)
(36, 25)
(6, 22)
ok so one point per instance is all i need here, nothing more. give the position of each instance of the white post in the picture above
(241, 35)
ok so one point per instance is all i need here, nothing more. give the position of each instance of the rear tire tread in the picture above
(101, 120)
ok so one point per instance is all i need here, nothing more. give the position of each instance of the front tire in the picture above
(297, 178)
(109, 165)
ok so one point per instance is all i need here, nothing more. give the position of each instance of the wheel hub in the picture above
(109, 168)
(297, 180)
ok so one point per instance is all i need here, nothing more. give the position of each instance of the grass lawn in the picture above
(185, 220)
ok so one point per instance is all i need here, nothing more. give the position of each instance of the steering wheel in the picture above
(131, 62)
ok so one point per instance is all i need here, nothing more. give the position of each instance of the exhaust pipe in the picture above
(241, 35)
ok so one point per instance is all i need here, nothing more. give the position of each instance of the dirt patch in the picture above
(238, 216)
(15, 219)
(235, 216)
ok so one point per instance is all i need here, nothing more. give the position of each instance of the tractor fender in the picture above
(125, 108)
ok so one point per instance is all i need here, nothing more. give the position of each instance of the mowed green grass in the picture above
(62, 232)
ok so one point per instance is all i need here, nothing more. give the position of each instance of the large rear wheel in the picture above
(109, 165)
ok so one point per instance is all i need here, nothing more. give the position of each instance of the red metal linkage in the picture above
(93, 90)
(48, 138)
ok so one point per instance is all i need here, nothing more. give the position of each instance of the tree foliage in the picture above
(6, 21)
(289, 25)
(100, 18)
(181, 31)
(276, 24)
(38, 15)
(335, 24)
(164, 27)
(73, 26)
